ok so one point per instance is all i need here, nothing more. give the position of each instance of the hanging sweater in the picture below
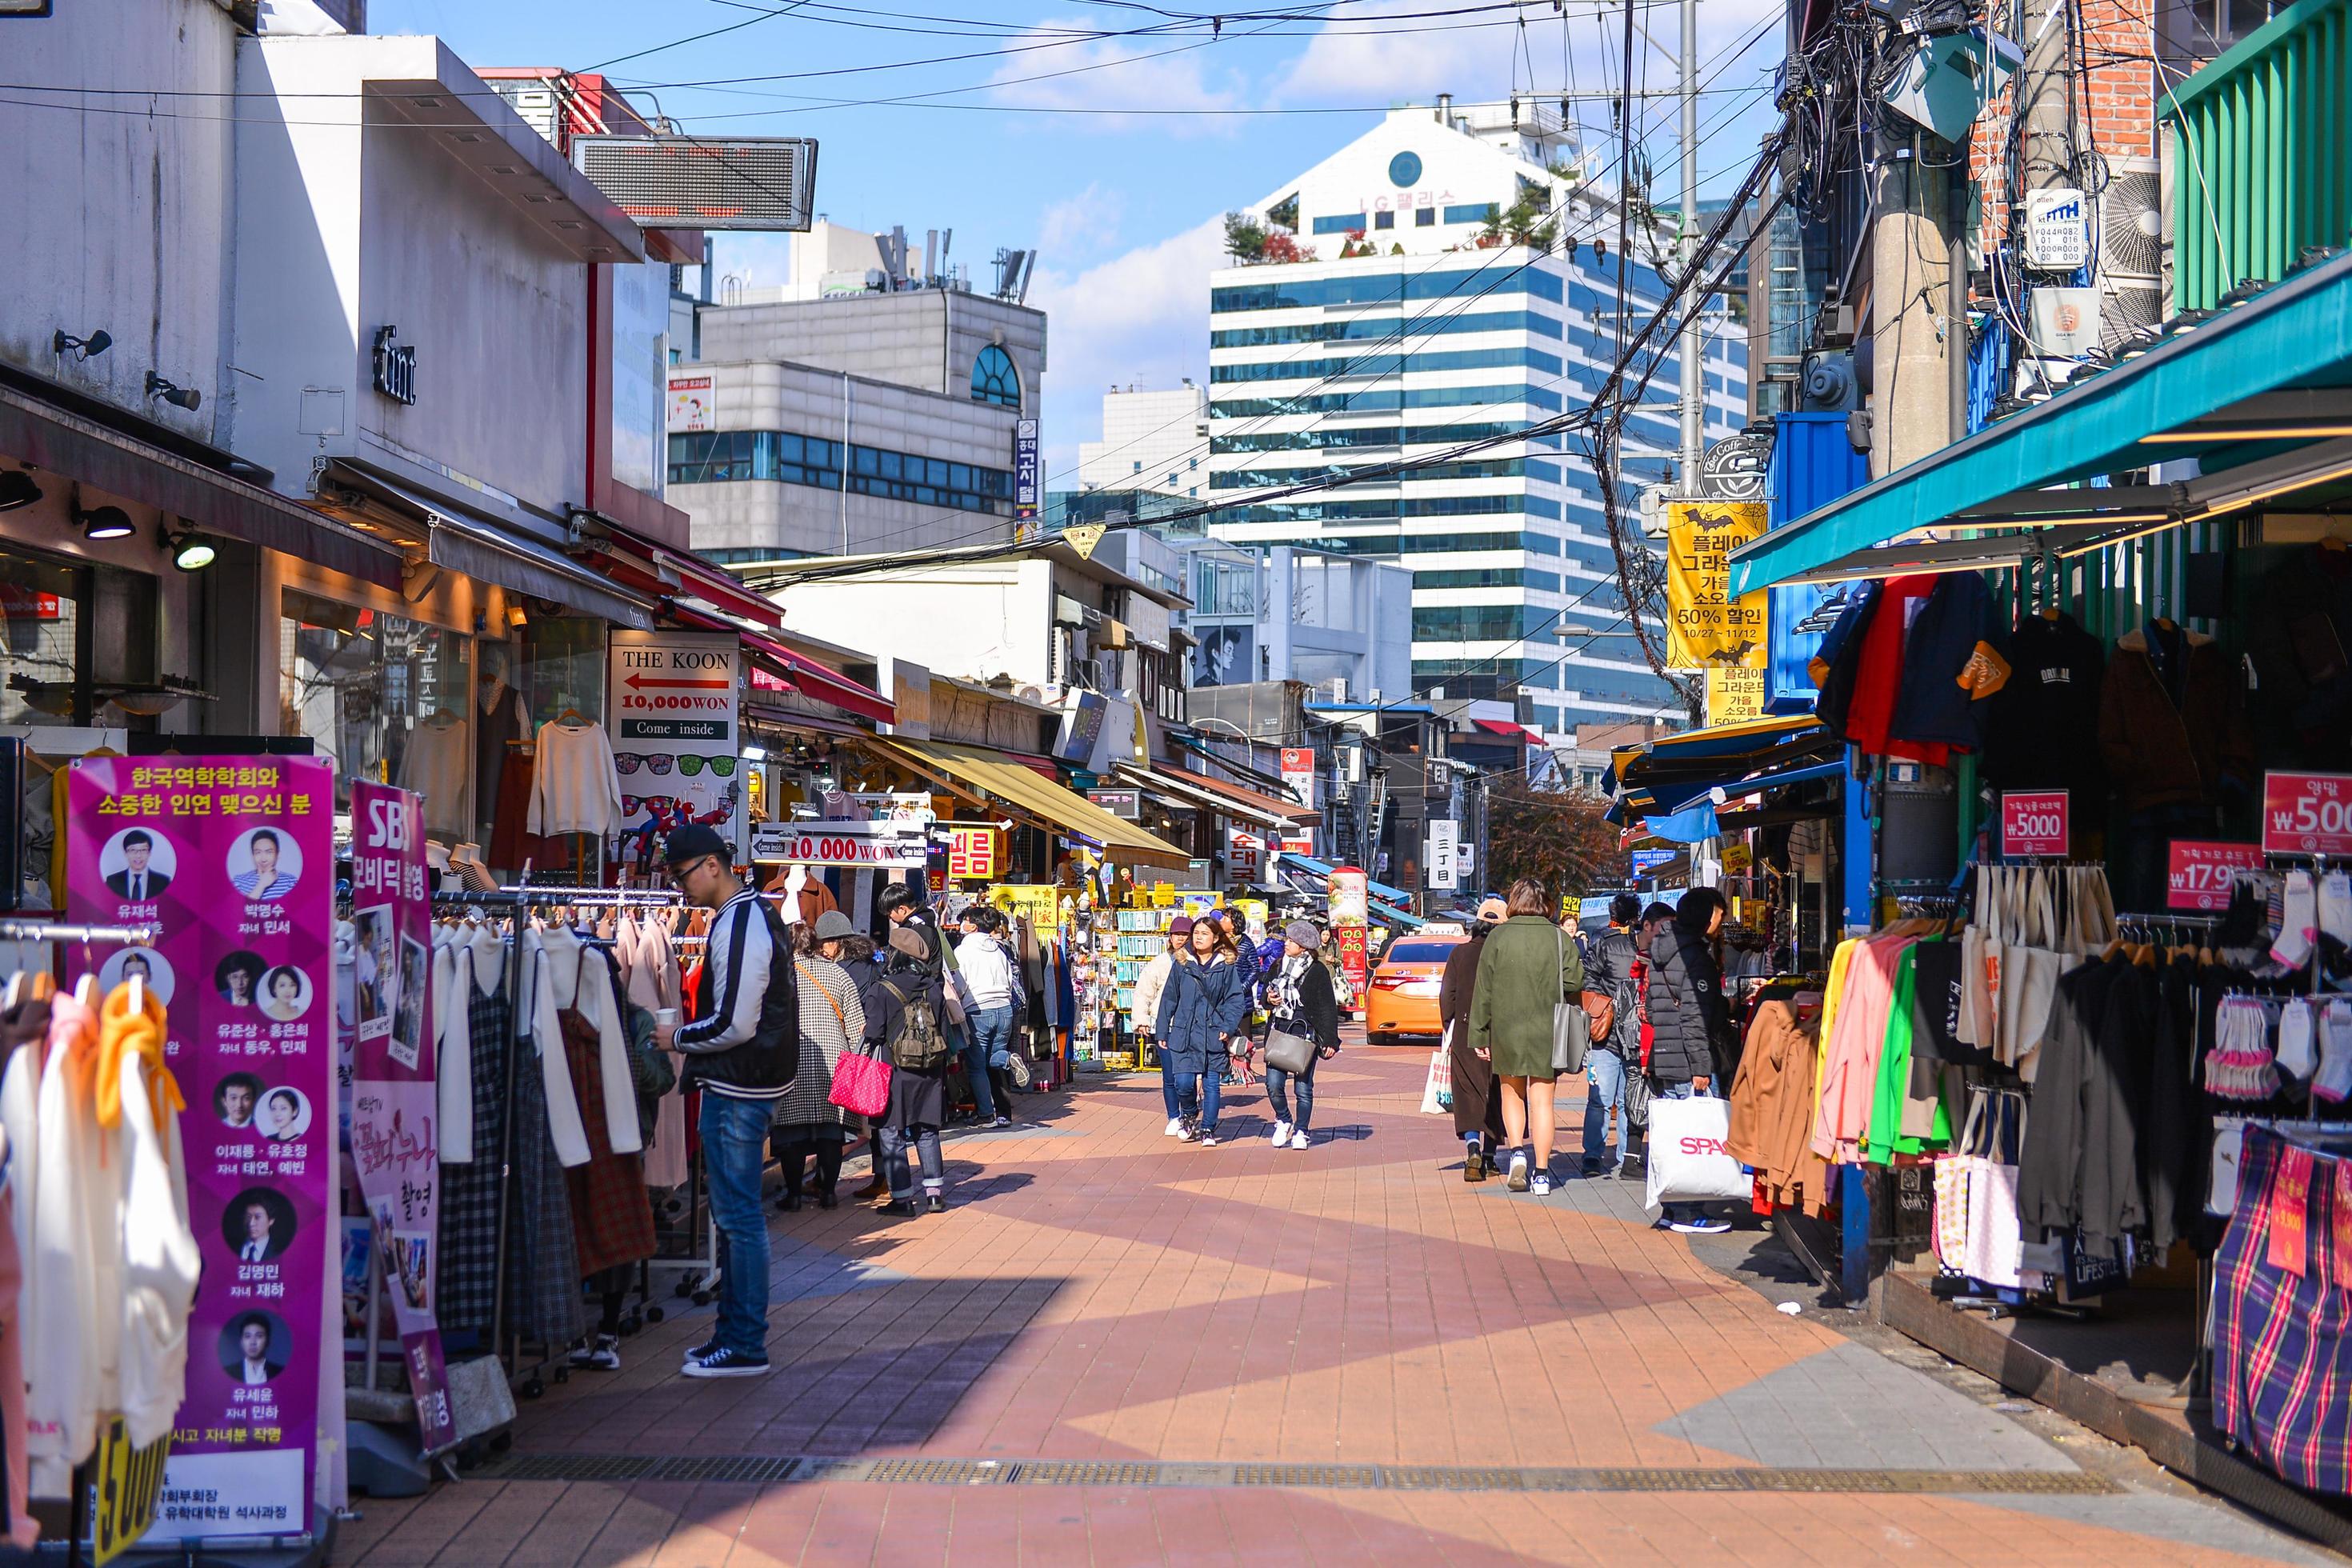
(67, 1340)
(574, 787)
(564, 977)
(139, 1107)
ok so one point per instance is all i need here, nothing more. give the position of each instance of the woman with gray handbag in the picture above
(1526, 1018)
(1304, 1029)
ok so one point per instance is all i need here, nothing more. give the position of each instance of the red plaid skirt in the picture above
(612, 1218)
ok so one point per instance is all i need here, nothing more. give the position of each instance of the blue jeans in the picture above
(974, 1051)
(1168, 1088)
(1282, 1086)
(926, 1140)
(1678, 1213)
(1198, 1093)
(992, 1028)
(734, 1146)
(1604, 1092)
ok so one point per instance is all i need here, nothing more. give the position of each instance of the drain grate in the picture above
(964, 1472)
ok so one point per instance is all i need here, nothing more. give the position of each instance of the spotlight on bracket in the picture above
(62, 342)
(178, 396)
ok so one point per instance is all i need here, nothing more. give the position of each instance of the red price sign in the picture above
(2197, 874)
(2307, 814)
(2033, 821)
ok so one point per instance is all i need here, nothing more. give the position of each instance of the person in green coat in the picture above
(1530, 967)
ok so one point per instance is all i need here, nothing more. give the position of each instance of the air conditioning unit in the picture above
(1654, 516)
(1332, 690)
(2131, 249)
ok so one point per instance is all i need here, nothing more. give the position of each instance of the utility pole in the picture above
(1916, 320)
(1694, 348)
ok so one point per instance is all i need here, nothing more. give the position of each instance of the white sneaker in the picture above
(1208, 1139)
(1175, 1127)
(1298, 1139)
(1281, 1134)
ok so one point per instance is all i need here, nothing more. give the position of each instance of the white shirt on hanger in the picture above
(575, 787)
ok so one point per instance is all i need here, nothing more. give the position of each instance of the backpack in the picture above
(918, 1043)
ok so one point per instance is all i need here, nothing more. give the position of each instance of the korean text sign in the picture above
(1704, 625)
(231, 859)
(2307, 814)
(2198, 873)
(2034, 822)
(394, 1145)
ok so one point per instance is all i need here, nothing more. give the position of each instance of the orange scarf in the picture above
(121, 1034)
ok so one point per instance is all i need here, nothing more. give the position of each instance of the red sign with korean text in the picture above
(2034, 822)
(2198, 872)
(2307, 814)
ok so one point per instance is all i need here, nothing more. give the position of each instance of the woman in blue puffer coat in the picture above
(1201, 1010)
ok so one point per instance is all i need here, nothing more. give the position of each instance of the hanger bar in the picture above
(45, 930)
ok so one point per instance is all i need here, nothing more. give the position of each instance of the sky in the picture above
(1111, 137)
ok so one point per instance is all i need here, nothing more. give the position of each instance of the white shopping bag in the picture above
(1687, 1158)
(1437, 1087)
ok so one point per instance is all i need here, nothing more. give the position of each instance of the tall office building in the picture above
(1433, 331)
(1156, 441)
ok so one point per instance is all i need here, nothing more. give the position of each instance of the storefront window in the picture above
(563, 669)
(383, 697)
(74, 632)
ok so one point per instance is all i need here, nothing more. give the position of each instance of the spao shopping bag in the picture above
(1687, 1158)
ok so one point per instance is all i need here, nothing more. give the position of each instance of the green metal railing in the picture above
(2265, 145)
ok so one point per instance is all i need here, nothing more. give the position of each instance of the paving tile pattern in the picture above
(1105, 1307)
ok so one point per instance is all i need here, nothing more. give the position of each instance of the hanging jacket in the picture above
(2159, 753)
(2302, 648)
(1901, 683)
(2057, 671)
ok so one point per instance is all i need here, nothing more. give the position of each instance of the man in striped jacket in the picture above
(743, 1048)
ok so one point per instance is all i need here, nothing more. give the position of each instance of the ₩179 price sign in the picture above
(2200, 875)
(2035, 822)
(2307, 814)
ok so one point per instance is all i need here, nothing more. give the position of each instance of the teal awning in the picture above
(2229, 370)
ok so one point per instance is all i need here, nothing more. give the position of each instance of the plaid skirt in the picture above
(612, 1218)
(542, 1265)
(2282, 1313)
(470, 1192)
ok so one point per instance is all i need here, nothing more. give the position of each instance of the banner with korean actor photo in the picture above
(394, 1145)
(232, 860)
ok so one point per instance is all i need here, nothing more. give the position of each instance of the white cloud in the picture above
(1141, 317)
(1093, 214)
(1106, 74)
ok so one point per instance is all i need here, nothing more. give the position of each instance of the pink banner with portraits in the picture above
(394, 1149)
(232, 860)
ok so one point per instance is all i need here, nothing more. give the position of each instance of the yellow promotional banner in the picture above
(1705, 628)
(126, 1483)
(1734, 694)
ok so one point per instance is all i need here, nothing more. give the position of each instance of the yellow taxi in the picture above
(1402, 999)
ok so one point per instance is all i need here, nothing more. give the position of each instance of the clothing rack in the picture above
(50, 930)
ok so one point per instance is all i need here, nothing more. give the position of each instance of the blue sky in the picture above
(1036, 142)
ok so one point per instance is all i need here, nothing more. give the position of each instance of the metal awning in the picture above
(1187, 792)
(479, 548)
(1073, 814)
(1665, 777)
(650, 567)
(35, 431)
(2261, 392)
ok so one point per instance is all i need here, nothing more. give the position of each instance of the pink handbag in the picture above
(861, 1084)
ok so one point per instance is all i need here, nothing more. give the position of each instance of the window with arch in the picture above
(994, 379)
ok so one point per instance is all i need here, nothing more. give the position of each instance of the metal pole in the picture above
(1694, 348)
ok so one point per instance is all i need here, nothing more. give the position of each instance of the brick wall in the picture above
(2118, 90)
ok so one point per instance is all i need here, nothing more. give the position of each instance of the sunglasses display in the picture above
(627, 763)
(720, 767)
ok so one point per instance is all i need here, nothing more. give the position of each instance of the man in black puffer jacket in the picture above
(1609, 971)
(1690, 1024)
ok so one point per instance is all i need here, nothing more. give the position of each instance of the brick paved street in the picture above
(1102, 1293)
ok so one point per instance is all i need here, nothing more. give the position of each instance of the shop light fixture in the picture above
(515, 614)
(62, 342)
(172, 393)
(190, 550)
(2192, 436)
(2091, 546)
(2250, 498)
(106, 522)
(755, 753)
(18, 489)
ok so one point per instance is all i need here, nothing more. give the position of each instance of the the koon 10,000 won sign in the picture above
(674, 736)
